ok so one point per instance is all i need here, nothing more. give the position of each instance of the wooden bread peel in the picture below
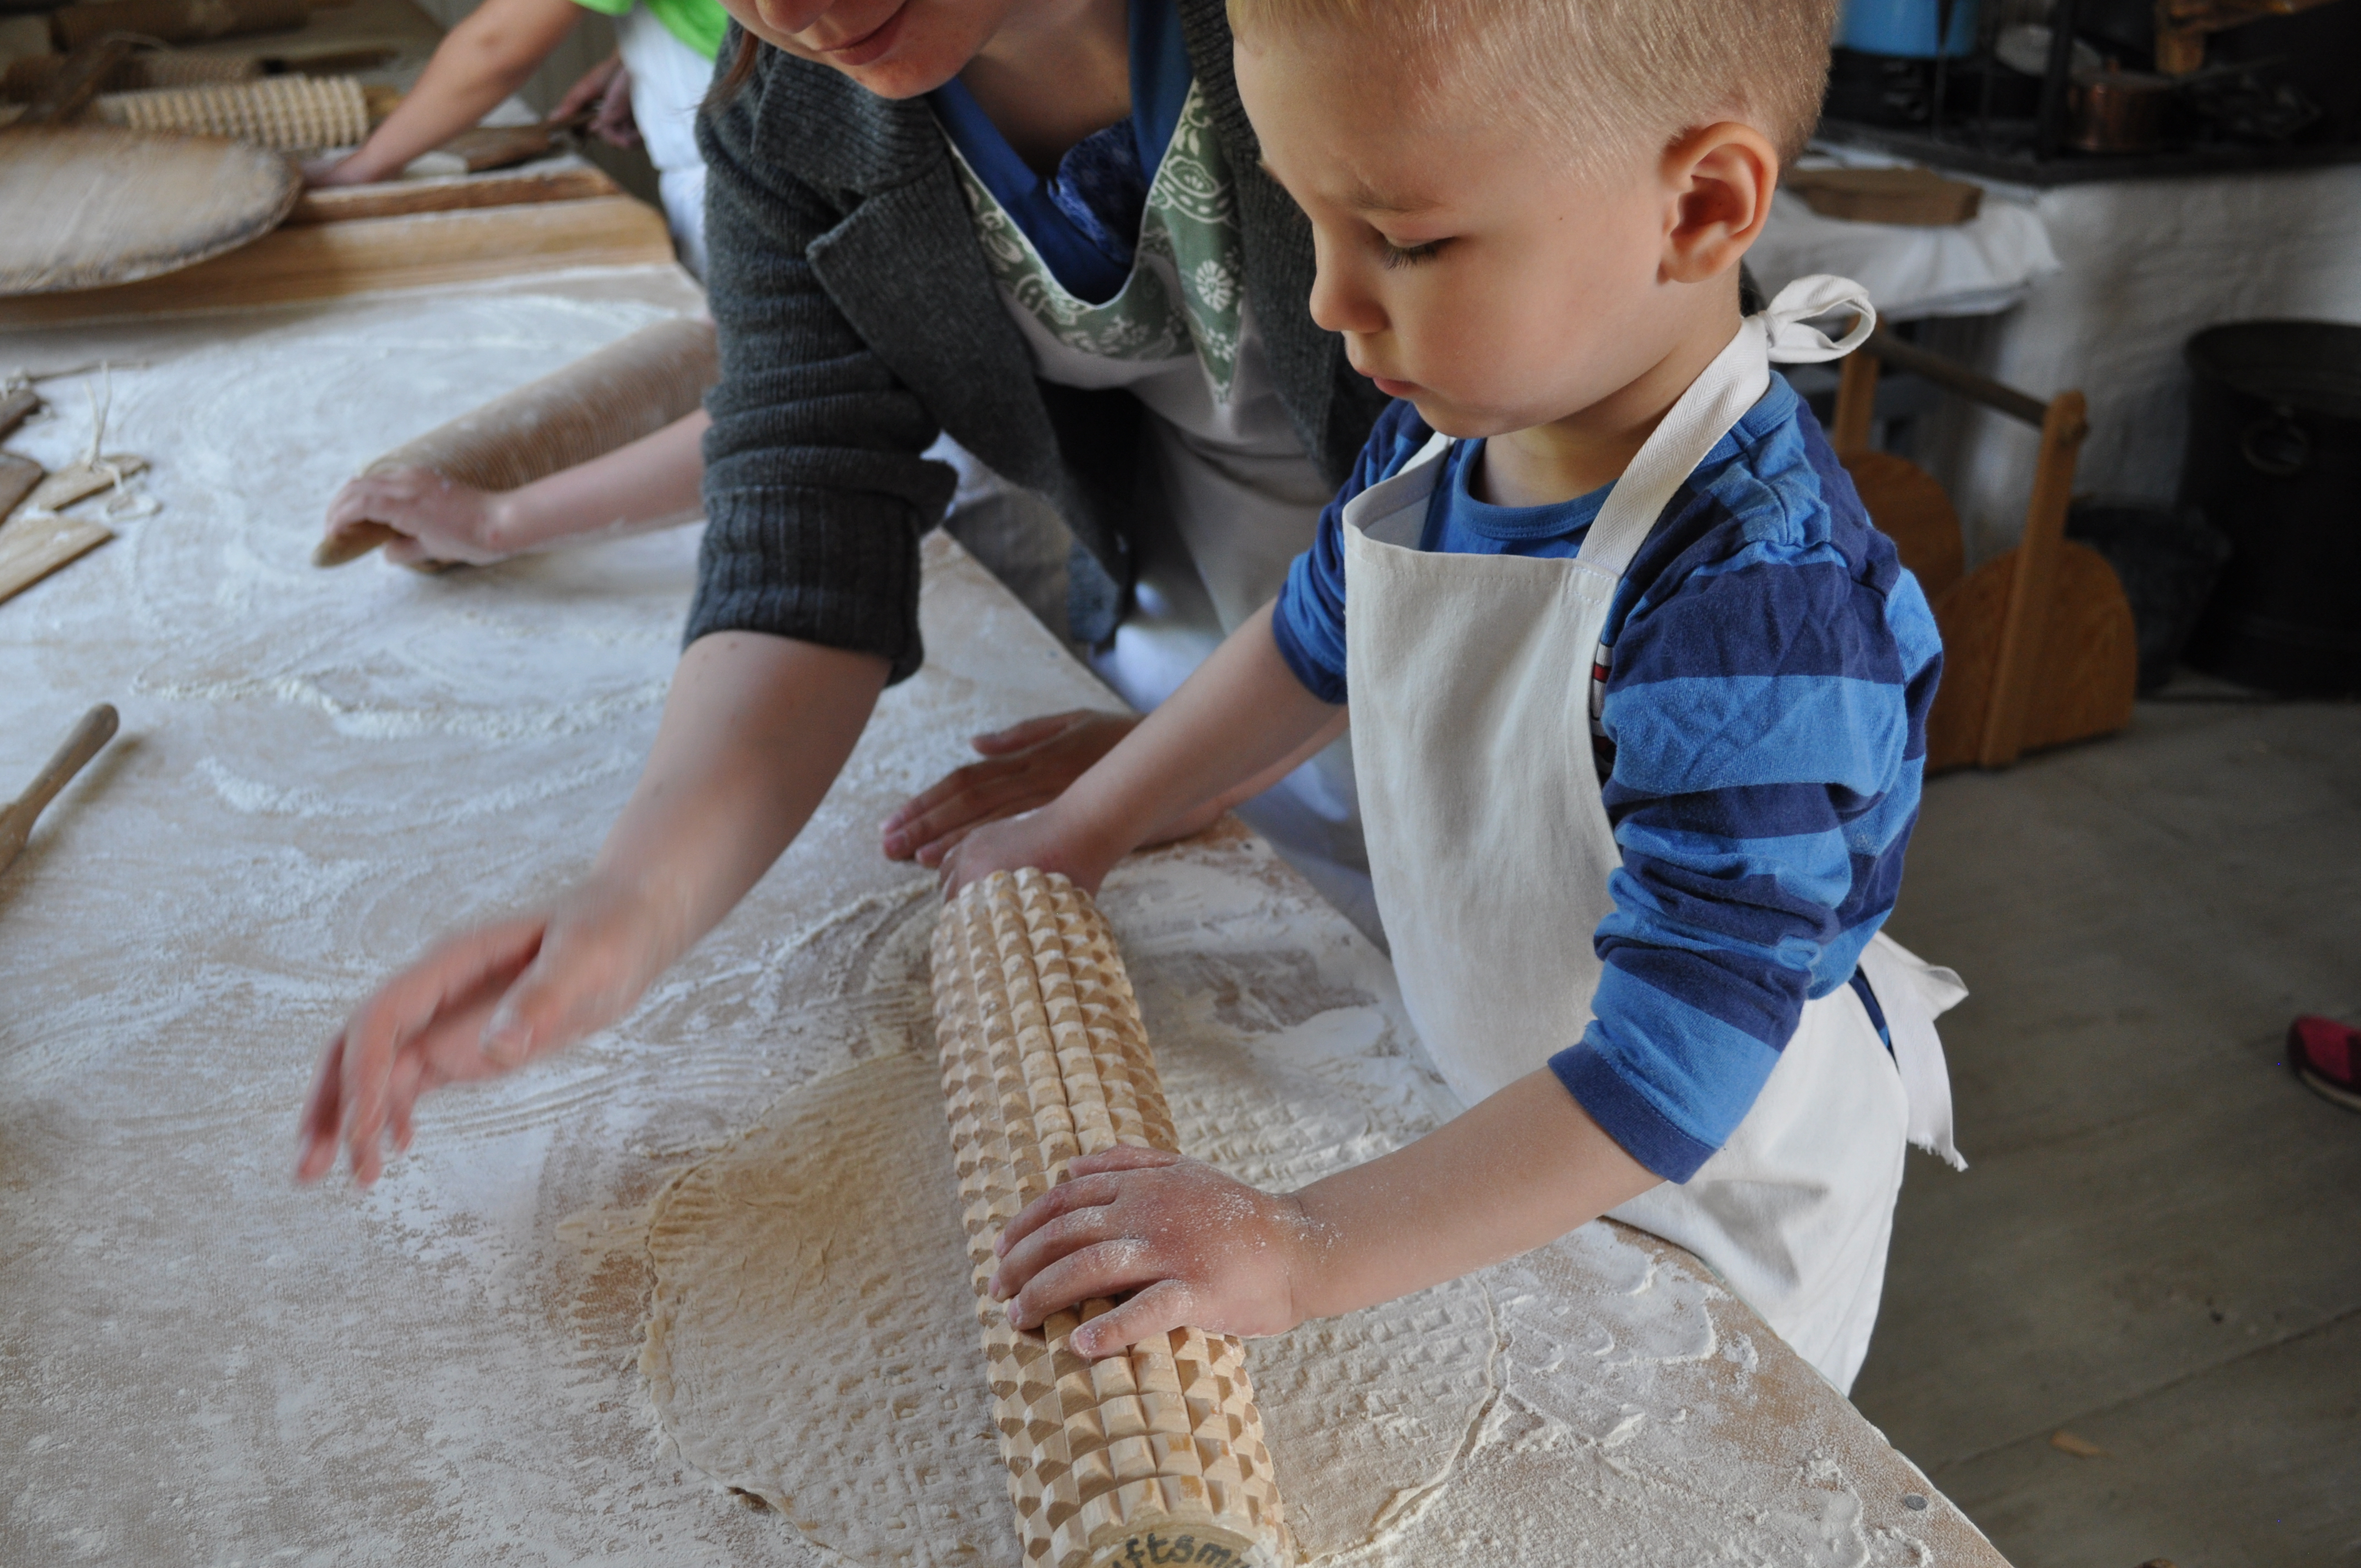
(97, 728)
(89, 206)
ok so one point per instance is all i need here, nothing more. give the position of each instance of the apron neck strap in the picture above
(1715, 403)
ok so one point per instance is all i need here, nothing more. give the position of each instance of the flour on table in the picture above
(812, 1336)
(322, 772)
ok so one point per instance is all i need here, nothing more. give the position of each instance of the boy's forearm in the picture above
(1518, 1171)
(1231, 725)
(653, 482)
(486, 57)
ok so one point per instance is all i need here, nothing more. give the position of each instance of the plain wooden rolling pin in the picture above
(1153, 1455)
(632, 388)
(96, 729)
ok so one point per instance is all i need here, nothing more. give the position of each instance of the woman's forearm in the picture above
(1518, 1171)
(652, 483)
(480, 62)
(754, 732)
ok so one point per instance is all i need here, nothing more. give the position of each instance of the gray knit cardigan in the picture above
(857, 319)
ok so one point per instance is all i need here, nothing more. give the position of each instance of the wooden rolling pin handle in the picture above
(96, 729)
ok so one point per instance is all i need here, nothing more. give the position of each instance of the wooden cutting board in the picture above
(405, 234)
(96, 205)
(1919, 198)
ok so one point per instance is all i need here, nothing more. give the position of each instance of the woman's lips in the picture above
(870, 44)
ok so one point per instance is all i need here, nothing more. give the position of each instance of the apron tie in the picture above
(1786, 321)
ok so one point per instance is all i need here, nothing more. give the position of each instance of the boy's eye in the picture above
(1392, 255)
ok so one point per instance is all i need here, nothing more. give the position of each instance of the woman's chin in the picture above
(917, 49)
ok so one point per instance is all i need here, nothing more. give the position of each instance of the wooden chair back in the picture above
(2039, 644)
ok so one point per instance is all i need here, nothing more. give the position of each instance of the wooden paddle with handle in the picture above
(96, 729)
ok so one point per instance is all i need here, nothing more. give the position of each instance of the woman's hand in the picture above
(481, 1005)
(755, 729)
(442, 519)
(1199, 1248)
(1027, 765)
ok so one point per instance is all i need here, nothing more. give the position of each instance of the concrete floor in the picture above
(2157, 1247)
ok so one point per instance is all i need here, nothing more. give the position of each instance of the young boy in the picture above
(1638, 695)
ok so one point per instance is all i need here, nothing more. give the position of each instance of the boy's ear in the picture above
(1717, 187)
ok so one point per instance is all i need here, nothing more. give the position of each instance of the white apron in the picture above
(668, 81)
(1471, 682)
(1242, 498)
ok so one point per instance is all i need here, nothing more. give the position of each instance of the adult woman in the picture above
(887, 266)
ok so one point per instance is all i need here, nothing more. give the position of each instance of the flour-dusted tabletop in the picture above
(322, 772)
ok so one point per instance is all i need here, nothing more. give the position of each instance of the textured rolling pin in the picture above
(632, 388)
(97, 728)
(287, 113)
(1154, 1455)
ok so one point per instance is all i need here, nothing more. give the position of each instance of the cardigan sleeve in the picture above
(816, 493)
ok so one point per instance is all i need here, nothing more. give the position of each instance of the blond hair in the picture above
(1613, 76)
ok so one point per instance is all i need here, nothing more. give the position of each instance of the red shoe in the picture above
(2327, 1055)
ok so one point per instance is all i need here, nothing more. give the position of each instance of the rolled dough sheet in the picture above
(812, 1340)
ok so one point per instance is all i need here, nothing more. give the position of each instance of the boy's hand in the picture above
(608, 86)
(1025, 766)
(1038, 838)
(1199, 1249)
(333, 169)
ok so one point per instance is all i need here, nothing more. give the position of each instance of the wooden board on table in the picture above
(18, 476)
(318, 261)
(335, 33)
(93, 205)
(17, 404)
(33, 547)
(395, 198)
(175, 21)
(1917, 198)
(487, 148)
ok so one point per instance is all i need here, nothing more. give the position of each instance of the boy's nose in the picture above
(1340, 300)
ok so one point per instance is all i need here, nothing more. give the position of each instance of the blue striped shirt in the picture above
(1762, 743)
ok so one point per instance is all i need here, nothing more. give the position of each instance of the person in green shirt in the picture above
(647, 92)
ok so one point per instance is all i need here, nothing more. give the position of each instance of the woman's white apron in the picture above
(1242, 498)
(1471, 683)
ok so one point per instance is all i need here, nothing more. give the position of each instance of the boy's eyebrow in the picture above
(1363, 197)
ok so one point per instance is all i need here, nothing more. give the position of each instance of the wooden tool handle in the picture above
(77, 82)
(96, 729)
